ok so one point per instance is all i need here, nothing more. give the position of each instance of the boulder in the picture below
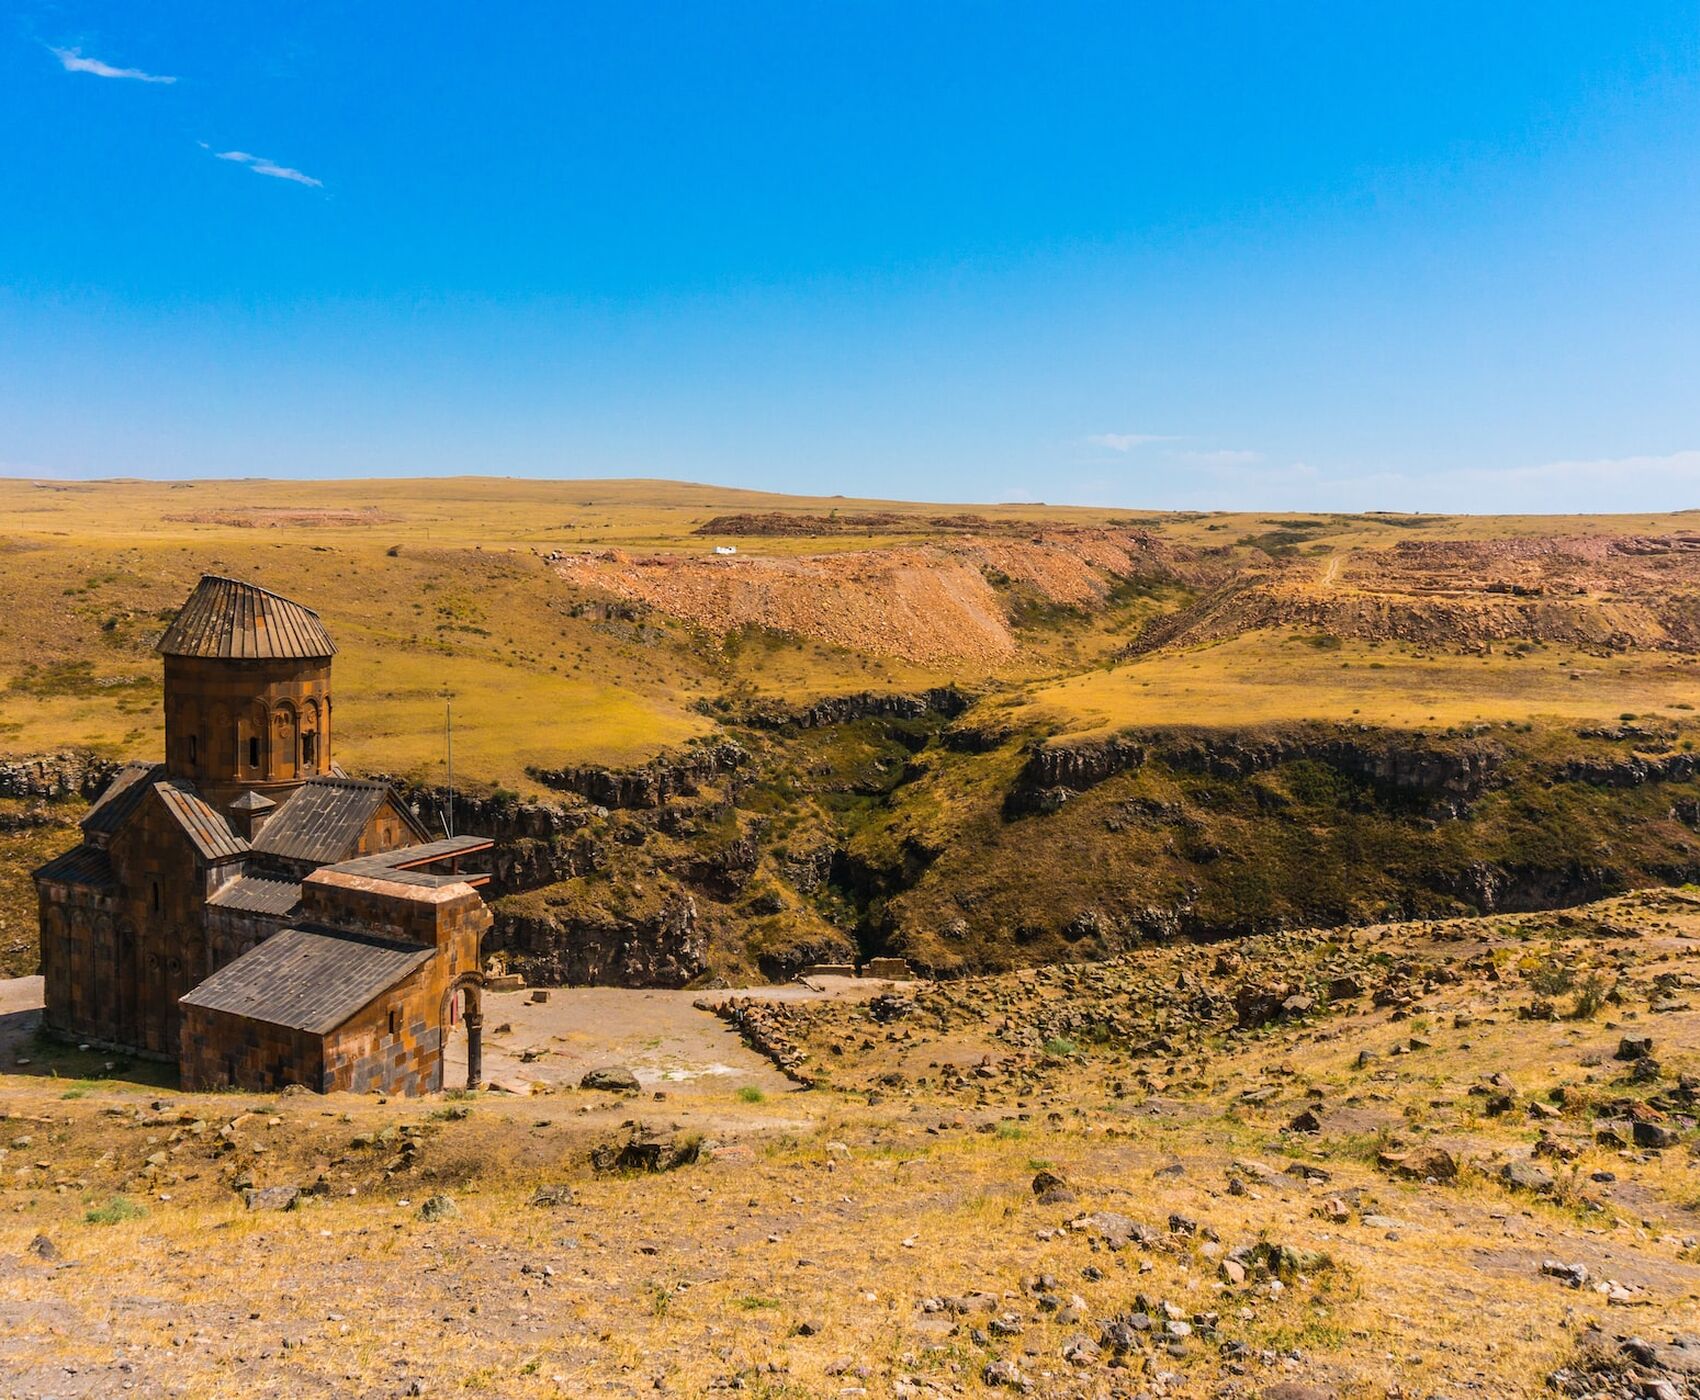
(615, 1079)
(1052, 1190)
(1527, 1176)
(1420, 1164)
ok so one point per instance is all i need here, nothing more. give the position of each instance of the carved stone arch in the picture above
(472, 985)
(128, 1001)
(312, 748)
(56, 961)
(103, 967)
(285, 741)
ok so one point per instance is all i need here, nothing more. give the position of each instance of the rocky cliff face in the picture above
(1632, 771)
(58, 775)
(1057, 771)
(945, 701)
(649, 786)
(1449, 777)
(663, 946)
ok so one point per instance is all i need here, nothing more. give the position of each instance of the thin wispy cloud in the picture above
(73, 61)
(1126, 442)
(261, 166)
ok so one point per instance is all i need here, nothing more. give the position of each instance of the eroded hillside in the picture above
(979, 738)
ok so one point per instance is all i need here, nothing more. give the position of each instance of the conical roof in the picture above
(225, 617)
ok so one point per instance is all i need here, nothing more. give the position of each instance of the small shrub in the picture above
(750, 1094)
(1549, 979)
(1590, 997)
(114, 1212)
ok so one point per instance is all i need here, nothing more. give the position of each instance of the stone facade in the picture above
(240, 726)
(248, 831)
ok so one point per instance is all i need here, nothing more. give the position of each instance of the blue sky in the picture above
(1354, 256)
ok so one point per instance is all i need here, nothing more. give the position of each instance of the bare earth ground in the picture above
(660, 1035)
(1234, 1214)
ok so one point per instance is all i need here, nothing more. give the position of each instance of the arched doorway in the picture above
(462, 1021)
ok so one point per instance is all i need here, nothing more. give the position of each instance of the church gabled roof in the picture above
(113, 807)
(208, 829)
(81, 865)
(309, 979)
(321, 821)
(210, 832)
(227, 618)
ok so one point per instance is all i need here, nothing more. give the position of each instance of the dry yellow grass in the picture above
(798, 1259)
(439, 587)
(1281, 677)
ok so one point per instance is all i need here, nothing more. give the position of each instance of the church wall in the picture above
(235, 725)
(393, 1046)
(233, 932)
(388, 830)
(163, 902)
(225, 1051)
(74, 939)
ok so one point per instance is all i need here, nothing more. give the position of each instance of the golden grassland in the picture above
(1281, 677)
(438, 587)
(798, 1257)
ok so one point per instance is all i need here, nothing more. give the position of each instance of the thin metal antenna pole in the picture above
(449, 733)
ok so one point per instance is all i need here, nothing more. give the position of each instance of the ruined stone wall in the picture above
(57, 775)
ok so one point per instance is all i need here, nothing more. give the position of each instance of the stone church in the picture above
(247, 909)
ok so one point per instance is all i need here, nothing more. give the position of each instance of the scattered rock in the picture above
(1635, 1047)
(1575, 1275)
(1420, 1164)
(1005, 1373)
(615, 1079)
(1527, 1176)
(1052, 1190)
(645, 1150)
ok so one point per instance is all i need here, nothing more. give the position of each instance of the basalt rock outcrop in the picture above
(1633, 771)
(659, 946)
(649, 786)
(57, 775)
(537, 843)
(1056, 771)
(1448, 777)
(946, 701)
